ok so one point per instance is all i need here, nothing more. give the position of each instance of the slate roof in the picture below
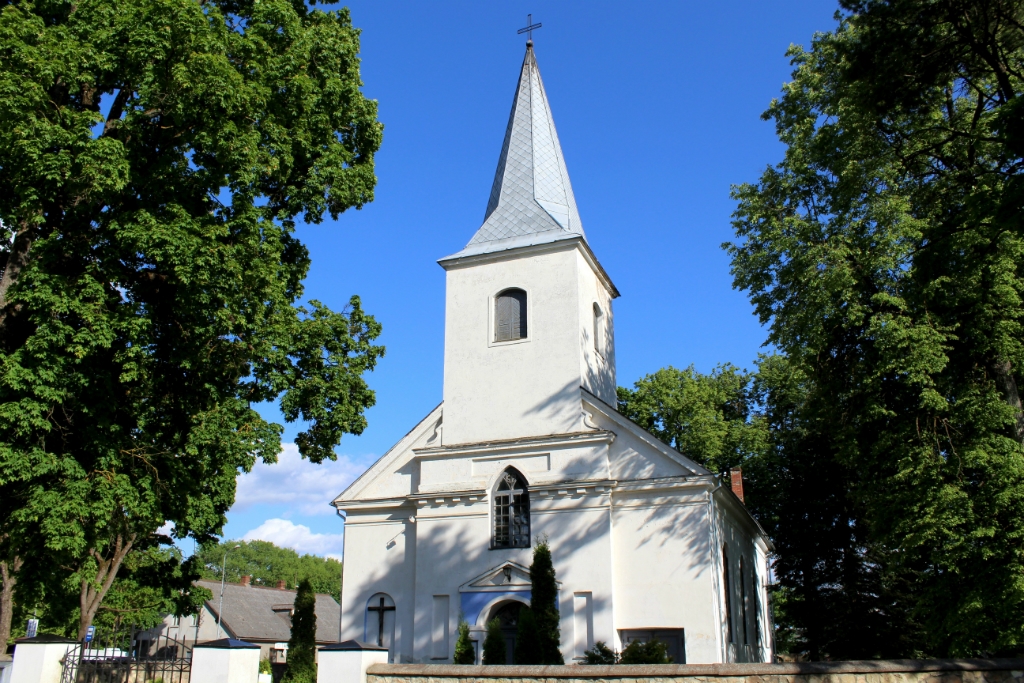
(258, 613)
(531, 199)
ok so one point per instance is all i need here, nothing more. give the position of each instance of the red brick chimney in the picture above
(246, 580)
(280, 585)
(736, 477)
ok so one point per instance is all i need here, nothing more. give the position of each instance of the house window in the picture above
(510, 315)
(511, 511)
(598, 329)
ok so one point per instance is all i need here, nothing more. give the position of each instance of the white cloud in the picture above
(297, 483)
(298, 537)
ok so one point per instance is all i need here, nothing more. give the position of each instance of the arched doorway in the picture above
(508, 614)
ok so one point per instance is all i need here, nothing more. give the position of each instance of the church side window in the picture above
(510, 315)
(598, 329)
(728, 596)
(743, 600)
(511, 512)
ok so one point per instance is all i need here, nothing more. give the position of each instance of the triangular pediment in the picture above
(508, 575)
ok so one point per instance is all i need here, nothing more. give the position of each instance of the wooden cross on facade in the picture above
(529, 27)
(380, 610)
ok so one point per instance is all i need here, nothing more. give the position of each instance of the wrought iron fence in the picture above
(129, 656)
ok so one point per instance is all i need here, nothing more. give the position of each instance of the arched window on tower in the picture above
(510, 315)
(599, 333)
(511, 511)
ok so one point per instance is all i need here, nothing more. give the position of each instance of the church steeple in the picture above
(528, 313)
(531, 199)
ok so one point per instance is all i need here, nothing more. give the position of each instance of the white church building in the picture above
(527, 445)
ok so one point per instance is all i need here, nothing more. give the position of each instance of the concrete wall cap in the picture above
(436, 671)
(43, 639)
(351, 645)
(229, 644)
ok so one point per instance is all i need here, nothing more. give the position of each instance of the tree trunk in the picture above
(9, 575)
(93, 592)
(16, 261)
(1004, 376)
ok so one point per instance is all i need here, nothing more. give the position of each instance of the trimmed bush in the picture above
(494, 643)
(652, 652)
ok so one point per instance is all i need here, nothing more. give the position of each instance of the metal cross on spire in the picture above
(529, 27)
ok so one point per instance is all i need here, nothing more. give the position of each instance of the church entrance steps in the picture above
(882, 671)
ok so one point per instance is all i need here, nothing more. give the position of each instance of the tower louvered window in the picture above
(511, 512)
(510, 315)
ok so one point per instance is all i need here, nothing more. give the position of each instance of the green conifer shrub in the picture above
(464, 646)
(528, 645)
(600, 654)
(302, 644)
(494, 643)
(652, 652)
(543, 605)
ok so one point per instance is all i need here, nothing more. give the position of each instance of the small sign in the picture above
(90, 633)
(33, 628)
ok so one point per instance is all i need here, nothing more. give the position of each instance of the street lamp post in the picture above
(223, 576)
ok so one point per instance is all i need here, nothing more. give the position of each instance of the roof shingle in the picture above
(531, 200)
(255, 613)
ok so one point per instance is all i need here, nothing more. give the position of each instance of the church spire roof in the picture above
(531, 199)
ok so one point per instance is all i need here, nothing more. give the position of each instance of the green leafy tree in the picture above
(707, 418)
(528, 647)
(148, 587)
(153, 582)
(464, 653)
(302, 644)
(543, 605)
(885, 253)
(652, 652)
(155, 157)
(266, 564)
(600, 654)
(494, 643)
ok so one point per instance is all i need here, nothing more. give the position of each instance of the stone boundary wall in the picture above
(881, 671)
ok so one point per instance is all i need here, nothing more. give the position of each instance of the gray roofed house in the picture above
(257, 614)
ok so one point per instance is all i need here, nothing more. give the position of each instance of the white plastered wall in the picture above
(597, 359)
(737, 538)
(380, 551)
(503, 390)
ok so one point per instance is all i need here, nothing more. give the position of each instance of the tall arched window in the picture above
(598, 329)
(510, 315)
(511, 511)
(743, 601)
(729, 634)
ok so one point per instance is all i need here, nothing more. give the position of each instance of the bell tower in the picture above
(528, 310)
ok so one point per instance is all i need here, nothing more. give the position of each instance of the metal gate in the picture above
(129, 657)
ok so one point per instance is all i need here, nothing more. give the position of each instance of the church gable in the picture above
(395, 474)
(636, 454)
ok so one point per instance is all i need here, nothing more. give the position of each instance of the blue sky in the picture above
(658, 110)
